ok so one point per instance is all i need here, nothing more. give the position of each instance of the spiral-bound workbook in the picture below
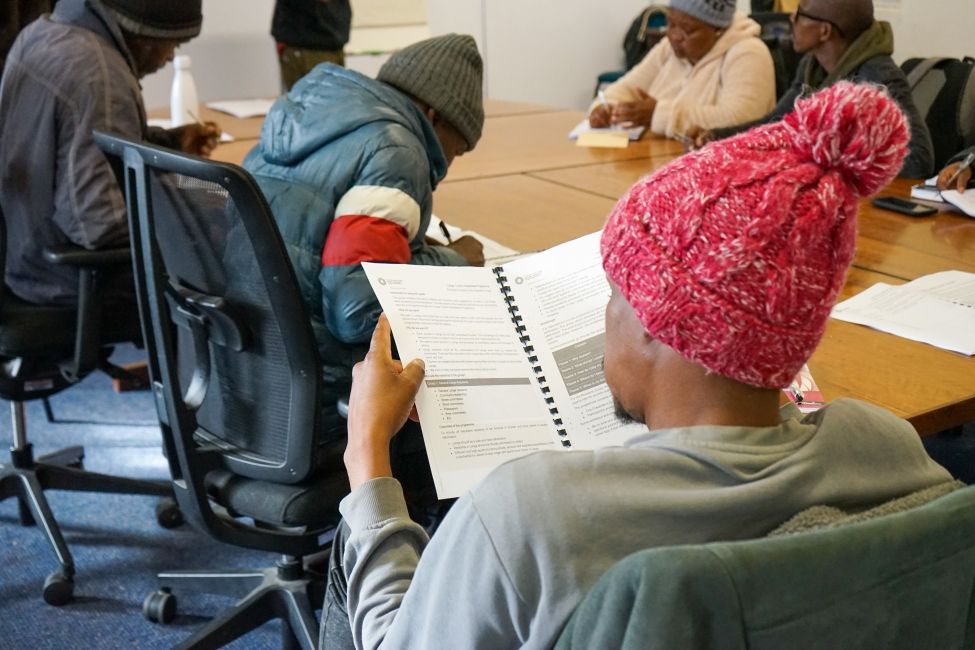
(513, 357)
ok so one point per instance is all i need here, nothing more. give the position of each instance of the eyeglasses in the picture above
(799, 13)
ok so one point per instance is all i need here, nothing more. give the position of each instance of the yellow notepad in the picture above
(603, 138)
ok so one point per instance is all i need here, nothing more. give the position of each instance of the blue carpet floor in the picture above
(117, 545)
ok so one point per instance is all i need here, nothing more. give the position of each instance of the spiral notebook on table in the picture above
(513, 357)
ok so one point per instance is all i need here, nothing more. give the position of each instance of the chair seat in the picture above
(312, 504)
(27, 329)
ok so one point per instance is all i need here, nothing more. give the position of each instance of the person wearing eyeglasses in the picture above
(712, 70)
(842, 40)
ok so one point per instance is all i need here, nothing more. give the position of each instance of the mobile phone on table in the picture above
(897, 204)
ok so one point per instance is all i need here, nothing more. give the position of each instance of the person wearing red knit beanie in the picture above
(724, 266)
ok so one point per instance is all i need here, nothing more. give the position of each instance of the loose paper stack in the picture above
(938, 309)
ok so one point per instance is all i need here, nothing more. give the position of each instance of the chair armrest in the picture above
(77, 256)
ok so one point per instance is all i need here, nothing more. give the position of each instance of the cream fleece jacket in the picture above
(731, 84)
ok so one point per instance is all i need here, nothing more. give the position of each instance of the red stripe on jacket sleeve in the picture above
(358, 238)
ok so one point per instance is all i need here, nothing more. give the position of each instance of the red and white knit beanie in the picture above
(733, 255)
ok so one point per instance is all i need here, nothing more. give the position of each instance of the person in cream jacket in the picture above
(712, 70)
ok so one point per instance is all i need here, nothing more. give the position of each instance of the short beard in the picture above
(621, 414)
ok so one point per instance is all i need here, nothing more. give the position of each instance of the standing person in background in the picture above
(712, 70)
(309, 32)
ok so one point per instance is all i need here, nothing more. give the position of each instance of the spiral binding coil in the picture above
(525, 340)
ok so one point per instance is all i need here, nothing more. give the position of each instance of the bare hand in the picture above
(698, 136)
(383, 392)
(471, 248)
(960, 183)
(638, 112)
(197, 138)
(601, 116)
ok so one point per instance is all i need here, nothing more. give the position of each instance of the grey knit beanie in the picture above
(177, 21)
(717, 13)
(446, 73)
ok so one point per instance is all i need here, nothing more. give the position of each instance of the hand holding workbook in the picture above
(513, 357)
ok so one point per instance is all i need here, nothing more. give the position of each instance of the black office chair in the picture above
(235, 370)
(43, 350)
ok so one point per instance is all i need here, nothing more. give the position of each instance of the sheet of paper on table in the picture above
(583, 130)
(243, 108)
(494, 253)
(938, 309)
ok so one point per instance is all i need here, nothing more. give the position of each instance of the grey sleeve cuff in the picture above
(374, 503)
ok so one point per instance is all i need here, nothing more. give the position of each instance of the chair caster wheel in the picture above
(58, 589)
(168, 513)
(159, 607)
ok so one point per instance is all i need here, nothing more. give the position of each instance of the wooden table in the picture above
(909, 247)
(528, 186)
(932, 388)
(537, 142)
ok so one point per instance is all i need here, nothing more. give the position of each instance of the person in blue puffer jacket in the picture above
(348, 165)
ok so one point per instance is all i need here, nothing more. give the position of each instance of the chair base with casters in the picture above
(287, 591)
(44, 350)
(290, 590)
(26, 478)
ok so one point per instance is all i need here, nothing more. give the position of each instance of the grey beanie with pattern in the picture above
(447, 73)
(717, 13)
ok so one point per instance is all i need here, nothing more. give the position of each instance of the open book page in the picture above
(495, 253)
(583, 127)
(964, 201)
(561, 294)
(479, 404)
(938, 309)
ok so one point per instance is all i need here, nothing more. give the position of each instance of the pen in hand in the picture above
(965, 164)
(446, 232)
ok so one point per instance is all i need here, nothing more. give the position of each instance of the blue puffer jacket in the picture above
(348, 165)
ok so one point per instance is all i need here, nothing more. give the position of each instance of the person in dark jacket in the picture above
(841, 40)
(309, 32)
(69, 73)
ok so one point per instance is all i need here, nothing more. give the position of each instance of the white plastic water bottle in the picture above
(183, 105)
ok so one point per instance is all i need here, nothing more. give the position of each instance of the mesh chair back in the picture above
(230, 344)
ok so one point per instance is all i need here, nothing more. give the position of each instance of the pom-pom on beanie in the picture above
(177, 21)
(447, 73)
(733, 255)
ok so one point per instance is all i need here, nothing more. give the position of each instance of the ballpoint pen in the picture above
(446, 232)
(795, 392)
(965, 164)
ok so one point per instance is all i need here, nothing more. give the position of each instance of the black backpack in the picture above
(645, 31)
(943, 90)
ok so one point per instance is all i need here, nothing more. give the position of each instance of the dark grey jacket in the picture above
(67, 74)
(879, 69)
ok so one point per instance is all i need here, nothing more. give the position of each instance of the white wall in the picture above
(550, 51)
(545, 51)
(234, 56)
